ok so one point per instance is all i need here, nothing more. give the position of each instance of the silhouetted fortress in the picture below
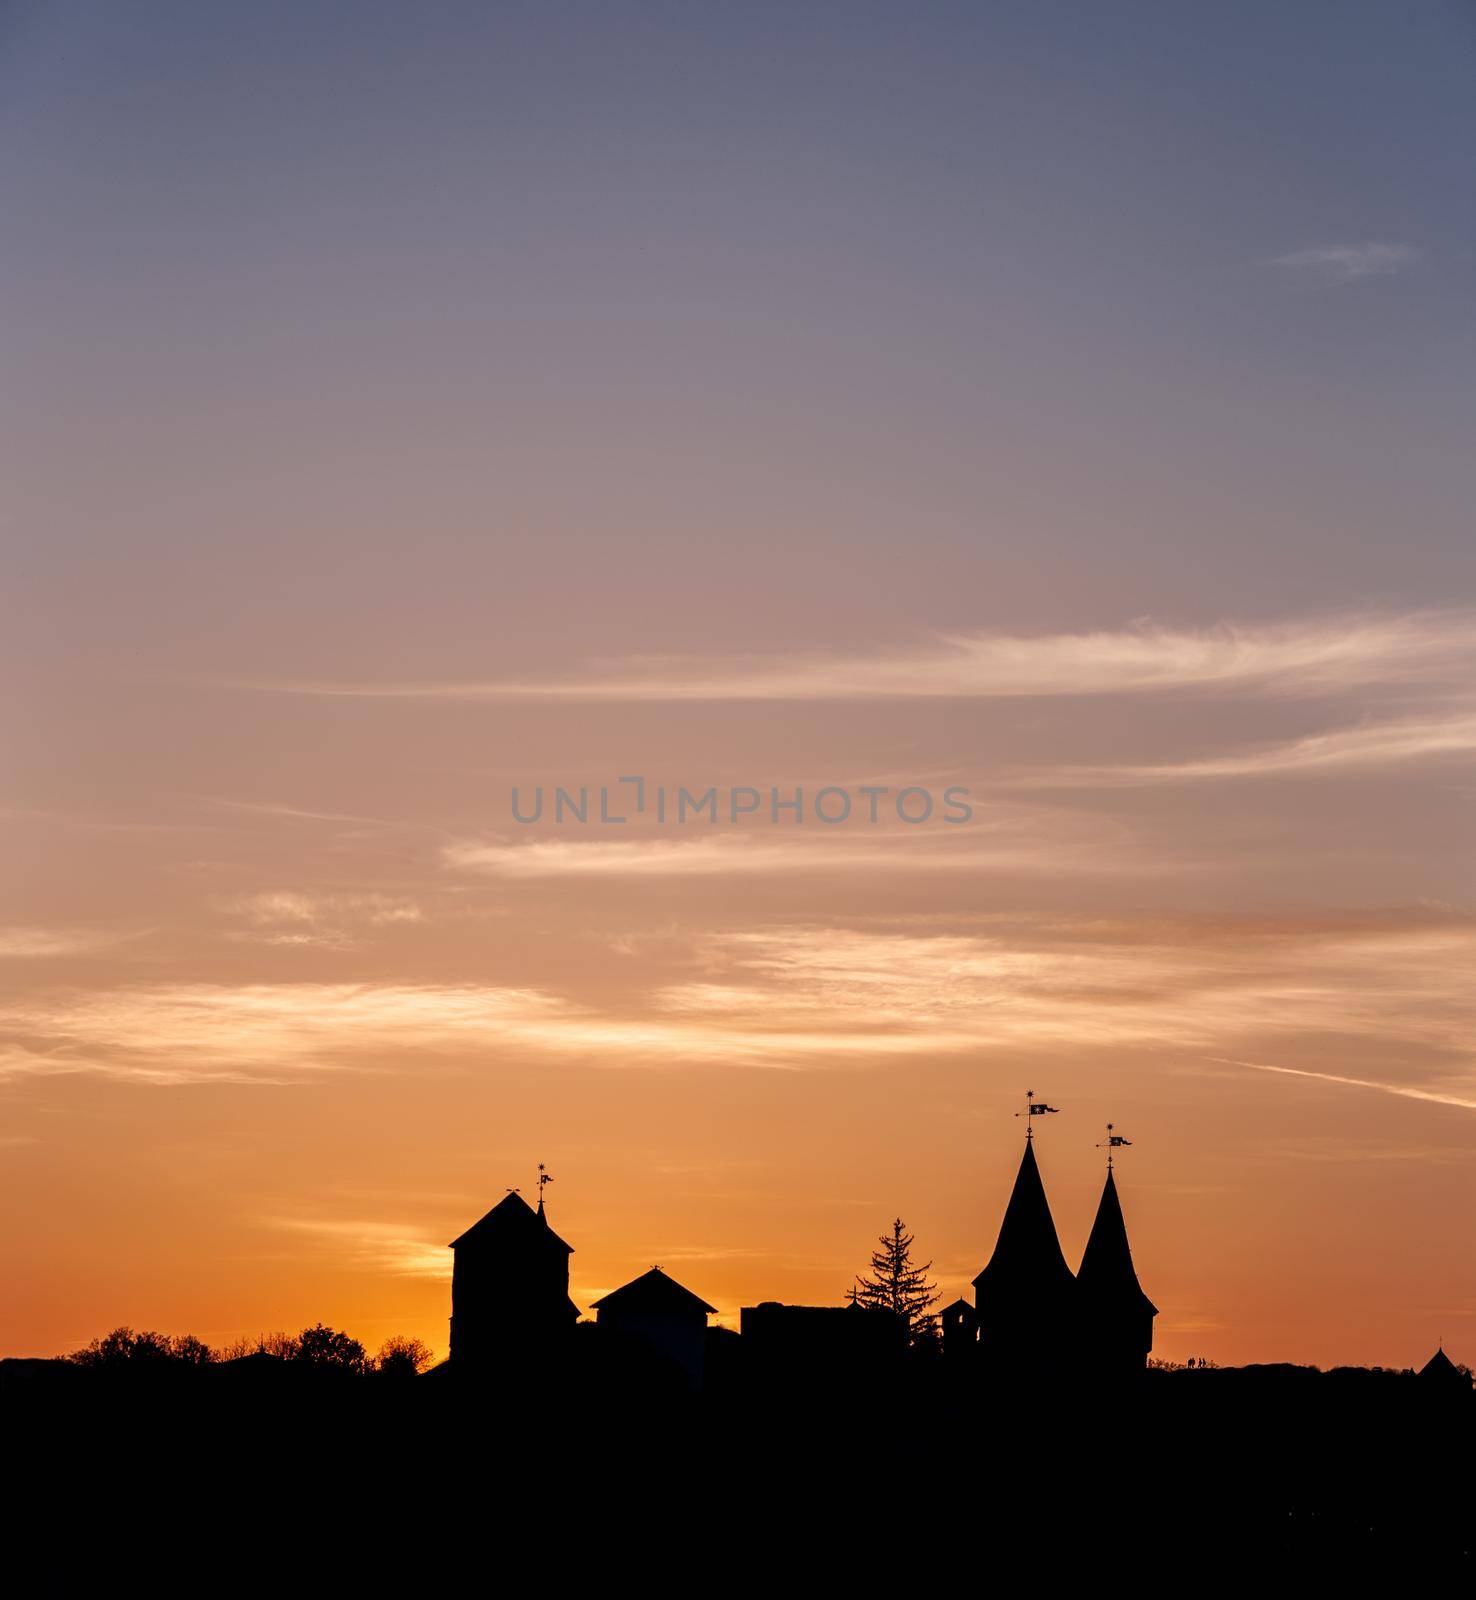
(1031, 1314)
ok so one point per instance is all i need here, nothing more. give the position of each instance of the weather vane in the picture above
(1034, 1108)
(1113, 1141)
(543, 1181)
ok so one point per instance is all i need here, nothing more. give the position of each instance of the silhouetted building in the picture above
(509, 1284)
(1024, 1300)
(659, 1312)
(1441, 1375)
(1114, 1316)
(960, 1328)
(1032, 1316)
(793, 1341)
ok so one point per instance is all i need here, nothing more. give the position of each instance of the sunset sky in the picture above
(1070, 403)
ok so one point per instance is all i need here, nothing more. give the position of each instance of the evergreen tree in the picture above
(899, 1287)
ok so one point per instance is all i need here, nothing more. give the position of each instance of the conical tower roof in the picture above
(1027, 1259)
(1106, 1270)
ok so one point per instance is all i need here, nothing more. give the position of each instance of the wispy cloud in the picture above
(193, 1032)
(375, 1246)
(1405, 1091)
(1401, 988)
(334, 921)
(1345, 263)
(1001, 838)
(554, 858)
(1310, 656)
(1372, 744)
(1393, 993)
(280, 1033)
(28, 943)
(284, 813)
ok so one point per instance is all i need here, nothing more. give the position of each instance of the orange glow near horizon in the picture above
(333, 1042)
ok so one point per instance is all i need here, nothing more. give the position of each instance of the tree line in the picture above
(318, 1346)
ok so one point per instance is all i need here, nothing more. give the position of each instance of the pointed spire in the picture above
(1106, 1269)
(1027, 1255)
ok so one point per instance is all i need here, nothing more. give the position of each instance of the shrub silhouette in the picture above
(322, 1346)
(400, 1357)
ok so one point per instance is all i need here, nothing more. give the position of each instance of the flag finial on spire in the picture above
(1113, 1141)
(1034, 1108)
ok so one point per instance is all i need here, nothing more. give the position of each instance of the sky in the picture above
(1065, 404)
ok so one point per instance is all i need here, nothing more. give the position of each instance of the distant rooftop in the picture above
(653, 1294)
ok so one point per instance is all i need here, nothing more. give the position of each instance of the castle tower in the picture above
(1116, 1317)
(509, 1285)
(1024, 1297)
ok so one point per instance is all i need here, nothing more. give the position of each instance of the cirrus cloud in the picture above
(1347, 263)
(1372, 744)
(1390, 993)
(1310, 656)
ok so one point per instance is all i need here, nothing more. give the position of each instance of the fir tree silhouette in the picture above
(896, 1285)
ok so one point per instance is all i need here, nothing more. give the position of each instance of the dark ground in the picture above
(903, 1475)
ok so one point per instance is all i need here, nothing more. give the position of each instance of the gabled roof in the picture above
(1027, 1255)
(653, 1294)
(1106, 1270)
(512, 1221)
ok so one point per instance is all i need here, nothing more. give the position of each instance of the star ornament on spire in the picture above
(1035, 1108)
